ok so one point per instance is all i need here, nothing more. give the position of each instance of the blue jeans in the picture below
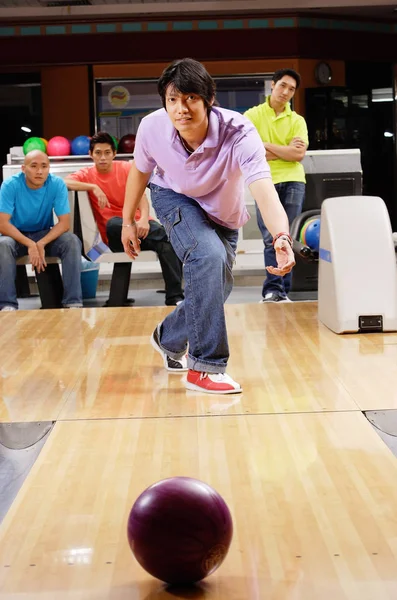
(67, 247)
(292, 195)
(207, 251)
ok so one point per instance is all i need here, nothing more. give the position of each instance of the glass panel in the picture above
(242, 92)
(382, 95)
(316, 118)
(360, 101)
(339, 104)
(339, 100)
(122, 104)
(359, 120)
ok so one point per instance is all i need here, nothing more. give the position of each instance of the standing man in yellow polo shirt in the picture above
(284, 135)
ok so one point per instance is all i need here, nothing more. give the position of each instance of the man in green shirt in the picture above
(285, 138)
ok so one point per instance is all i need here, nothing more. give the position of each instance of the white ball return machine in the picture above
(357, 283)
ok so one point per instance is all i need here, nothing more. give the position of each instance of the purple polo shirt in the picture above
(231, 155)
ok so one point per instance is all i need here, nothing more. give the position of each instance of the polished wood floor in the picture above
(311, 486)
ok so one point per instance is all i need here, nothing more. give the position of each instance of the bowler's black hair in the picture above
(290, 72)
(102, 138)
(187, 76)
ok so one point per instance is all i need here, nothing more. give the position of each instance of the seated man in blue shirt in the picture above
(27, 202)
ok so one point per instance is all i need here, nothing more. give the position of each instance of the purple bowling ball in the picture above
(127, 144)
(180, 530)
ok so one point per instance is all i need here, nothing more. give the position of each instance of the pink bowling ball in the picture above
(58, 146)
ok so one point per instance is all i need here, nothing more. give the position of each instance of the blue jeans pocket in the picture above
(179, 233)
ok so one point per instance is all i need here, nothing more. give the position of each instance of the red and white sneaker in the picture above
(211, 383)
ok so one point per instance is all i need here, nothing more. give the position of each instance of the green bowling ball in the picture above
(34, 143)
(115, 142)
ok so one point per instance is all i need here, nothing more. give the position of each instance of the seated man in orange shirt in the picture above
(105, 183)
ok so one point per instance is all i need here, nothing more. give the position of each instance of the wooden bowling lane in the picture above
(312, 496)
(42, 355)
(98, 363)
(368, 372)
(281, 369)
(364, 364)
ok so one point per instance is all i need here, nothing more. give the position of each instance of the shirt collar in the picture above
(286, 112)
(212, 137)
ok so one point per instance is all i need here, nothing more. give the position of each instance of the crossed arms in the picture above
(294, 152)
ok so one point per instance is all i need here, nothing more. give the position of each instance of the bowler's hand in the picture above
(297, 142)
(41, 249)
(102, 198)
(130, 241)
(37, 256)
(269, 153)
(284, 256)
(142, 228)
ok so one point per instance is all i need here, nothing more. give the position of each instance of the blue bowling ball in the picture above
(312, 235)
(80, 145)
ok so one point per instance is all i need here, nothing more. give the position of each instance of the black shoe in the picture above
(174, 301)
(128, 302)
(171, 364)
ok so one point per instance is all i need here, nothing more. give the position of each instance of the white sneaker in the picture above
(8, 309)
